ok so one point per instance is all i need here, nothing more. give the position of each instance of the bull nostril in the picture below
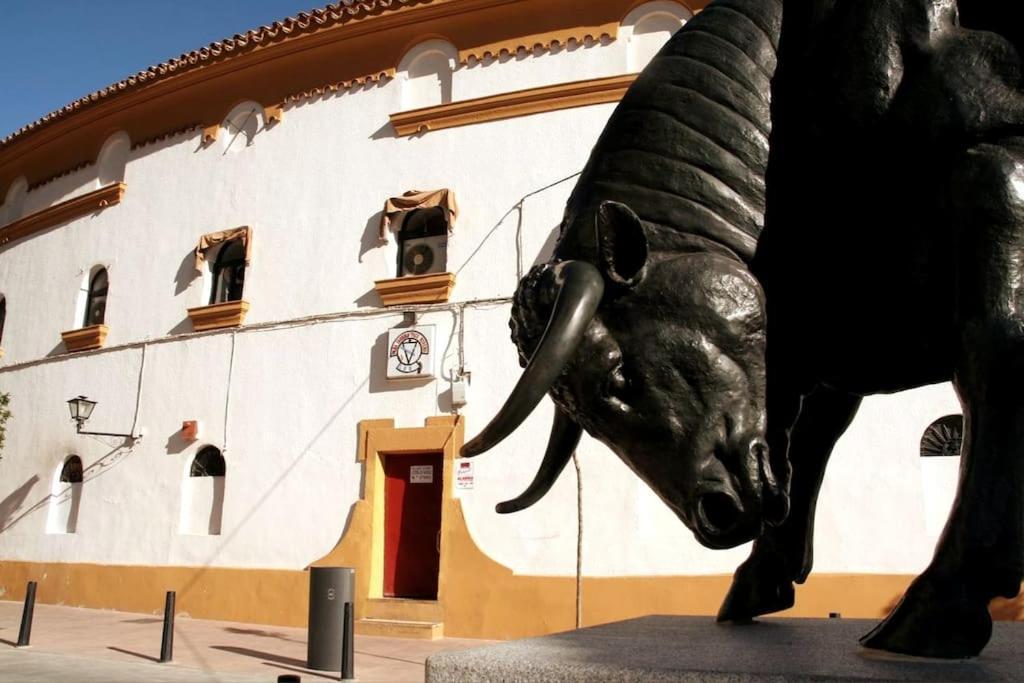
(719, 512)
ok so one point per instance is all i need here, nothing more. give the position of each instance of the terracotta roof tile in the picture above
(314, 20)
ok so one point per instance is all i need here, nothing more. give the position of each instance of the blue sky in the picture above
(55, 51)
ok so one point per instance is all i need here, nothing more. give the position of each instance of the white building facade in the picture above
(258, 377)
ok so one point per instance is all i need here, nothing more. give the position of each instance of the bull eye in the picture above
(616, 383)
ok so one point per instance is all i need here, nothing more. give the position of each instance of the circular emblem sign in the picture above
(408, 349)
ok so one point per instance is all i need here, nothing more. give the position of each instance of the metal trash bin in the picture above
(329, 589)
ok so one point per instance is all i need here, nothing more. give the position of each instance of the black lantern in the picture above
(81, 410)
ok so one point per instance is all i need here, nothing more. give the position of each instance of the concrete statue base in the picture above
(666, 648)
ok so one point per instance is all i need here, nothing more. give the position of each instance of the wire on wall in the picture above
(227, 395)
(138, 391)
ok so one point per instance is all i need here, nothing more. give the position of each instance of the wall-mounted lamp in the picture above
(81, 409)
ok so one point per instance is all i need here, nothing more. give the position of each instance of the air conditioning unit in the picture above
(424, 255)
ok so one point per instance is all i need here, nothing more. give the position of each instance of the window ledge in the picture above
(513, 104)
(416, 289)
(85, 338)
(91, 202)
(217, 316)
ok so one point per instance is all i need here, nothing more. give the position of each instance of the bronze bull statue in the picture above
(717, 306)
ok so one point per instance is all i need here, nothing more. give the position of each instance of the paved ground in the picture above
(84, 645)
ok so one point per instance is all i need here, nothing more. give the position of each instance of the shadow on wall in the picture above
(176, 443)
(101, 466)
(186, 274)
(379, 382)
(267, 495)
(13, 502)
(371, 235)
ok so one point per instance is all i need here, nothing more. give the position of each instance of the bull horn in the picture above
(580, 288)
(565, 435)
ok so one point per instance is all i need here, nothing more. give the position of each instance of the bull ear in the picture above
(622, 244)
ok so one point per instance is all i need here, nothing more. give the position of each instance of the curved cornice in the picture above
(349, 42)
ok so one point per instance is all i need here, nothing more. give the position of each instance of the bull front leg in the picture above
(784, 554)
(979, 556)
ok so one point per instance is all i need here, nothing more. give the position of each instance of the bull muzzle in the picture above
(733, 509)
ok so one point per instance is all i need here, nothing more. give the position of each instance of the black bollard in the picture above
(26, 615)
(348, 645)
(167, 642)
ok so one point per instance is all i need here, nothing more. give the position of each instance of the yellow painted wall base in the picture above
(477, 597)
(264, 596)
(496, 605)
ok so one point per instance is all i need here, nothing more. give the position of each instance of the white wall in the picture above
(283, 403)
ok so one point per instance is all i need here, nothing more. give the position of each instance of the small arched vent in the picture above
(208, 463)
(943, 437)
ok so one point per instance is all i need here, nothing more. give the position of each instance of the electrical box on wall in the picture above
(190, 430)
(411, 352)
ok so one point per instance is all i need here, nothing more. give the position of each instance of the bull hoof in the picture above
(933, 619)
(756, 589)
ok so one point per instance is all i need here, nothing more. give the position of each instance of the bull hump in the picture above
(687, 147)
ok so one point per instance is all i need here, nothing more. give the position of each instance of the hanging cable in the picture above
(138, 392)
(227, 395)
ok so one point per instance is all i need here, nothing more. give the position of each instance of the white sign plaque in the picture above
(411, 352)
(464, 475)
(421, 474)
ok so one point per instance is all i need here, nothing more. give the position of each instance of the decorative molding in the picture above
(165, 135)
(73, 208)
(60, 174)
(340, 86)
(271, 67)
(217, 316)
(210, 133)
(273, 114)
(513, 104)
(85, 338)
(416, 289)
(545, 42)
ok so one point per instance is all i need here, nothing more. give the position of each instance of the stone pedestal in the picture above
(663, 649)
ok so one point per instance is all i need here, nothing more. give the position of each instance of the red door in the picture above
(412, 525)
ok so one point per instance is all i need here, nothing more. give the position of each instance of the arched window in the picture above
(208, 463)
(943, 437)
(228, 272)
(113, 159)
(66, 498)
(71, 472)
(427, 74)
(241, 126)
(96, 299)
(202, 501)
(14, 201)
(651, 25)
